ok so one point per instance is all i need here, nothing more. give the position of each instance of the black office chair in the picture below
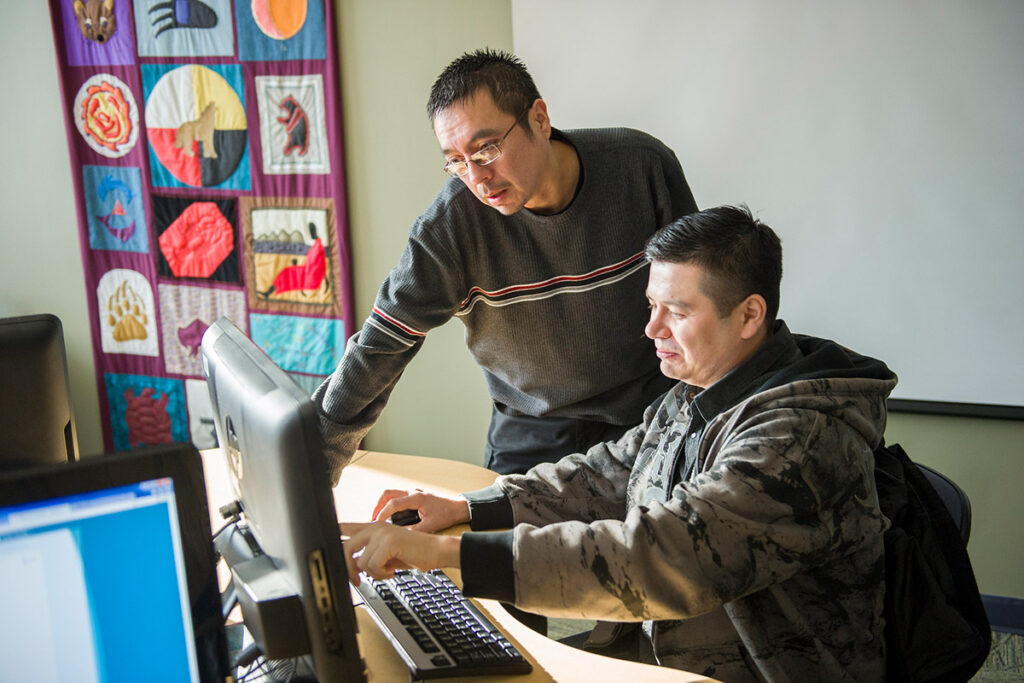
(957, 502)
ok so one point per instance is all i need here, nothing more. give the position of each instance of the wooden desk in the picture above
(361, 483)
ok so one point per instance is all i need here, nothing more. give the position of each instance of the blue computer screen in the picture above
(94, 588)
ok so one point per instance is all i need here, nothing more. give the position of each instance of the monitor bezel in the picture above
(183, 465)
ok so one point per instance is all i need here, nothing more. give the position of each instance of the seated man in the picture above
(739, 523)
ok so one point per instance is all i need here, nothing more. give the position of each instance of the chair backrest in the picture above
(36, 417)
(936, 628)
(957, 502)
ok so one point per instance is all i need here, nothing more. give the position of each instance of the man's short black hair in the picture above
(740, 255)
(503, 74)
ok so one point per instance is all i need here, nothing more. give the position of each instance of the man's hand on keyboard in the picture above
(436, 512)
(379, 549)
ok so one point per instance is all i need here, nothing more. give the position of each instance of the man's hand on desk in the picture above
(383, 548)
(436, 512)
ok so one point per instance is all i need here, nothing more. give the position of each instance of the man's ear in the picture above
(538, 118)
(753, 309)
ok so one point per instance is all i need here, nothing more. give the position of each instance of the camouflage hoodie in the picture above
(739, 523)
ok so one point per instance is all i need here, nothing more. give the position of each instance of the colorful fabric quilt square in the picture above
(196, 238)
(184, 28)
(290, 262)
(278, 30)
(293, 129)
(195, 122)
(97, 32)
(311, 346)
(205, 144)
(115, 207)
(125, 298)
(185, 314)
(146, 411)
(106, 115)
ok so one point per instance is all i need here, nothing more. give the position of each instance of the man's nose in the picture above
(655, 329)
(475, 173)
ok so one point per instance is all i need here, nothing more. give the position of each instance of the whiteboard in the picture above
(884, 143)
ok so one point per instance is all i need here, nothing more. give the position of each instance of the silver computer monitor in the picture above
(268, 428)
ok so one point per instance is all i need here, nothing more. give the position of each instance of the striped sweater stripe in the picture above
(562, 284)
(393, 327)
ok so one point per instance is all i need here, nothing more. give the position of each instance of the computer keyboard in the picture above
(436, 630)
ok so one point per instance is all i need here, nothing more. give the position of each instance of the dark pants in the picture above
(515, 443)
(621, 641)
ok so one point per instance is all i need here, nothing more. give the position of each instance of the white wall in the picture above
(391, 52)
(40, 260)
(882, 140)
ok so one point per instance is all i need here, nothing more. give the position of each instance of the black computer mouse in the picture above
(405, 518)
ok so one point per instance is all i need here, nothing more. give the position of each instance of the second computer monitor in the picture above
(36, 418)
(109, 572)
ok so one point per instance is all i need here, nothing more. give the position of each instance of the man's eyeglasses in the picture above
(489, 153)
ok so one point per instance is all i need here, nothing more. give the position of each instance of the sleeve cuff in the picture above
(489, 508)
(487, 566)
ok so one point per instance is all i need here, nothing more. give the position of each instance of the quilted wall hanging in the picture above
(205, 144)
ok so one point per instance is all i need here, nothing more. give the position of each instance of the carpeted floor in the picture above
(560, 628)
(1005, 661)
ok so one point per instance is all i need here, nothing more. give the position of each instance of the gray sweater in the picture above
(740, 524)
(553, 304)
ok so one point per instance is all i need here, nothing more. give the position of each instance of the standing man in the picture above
(738, 524)
(536, 245)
